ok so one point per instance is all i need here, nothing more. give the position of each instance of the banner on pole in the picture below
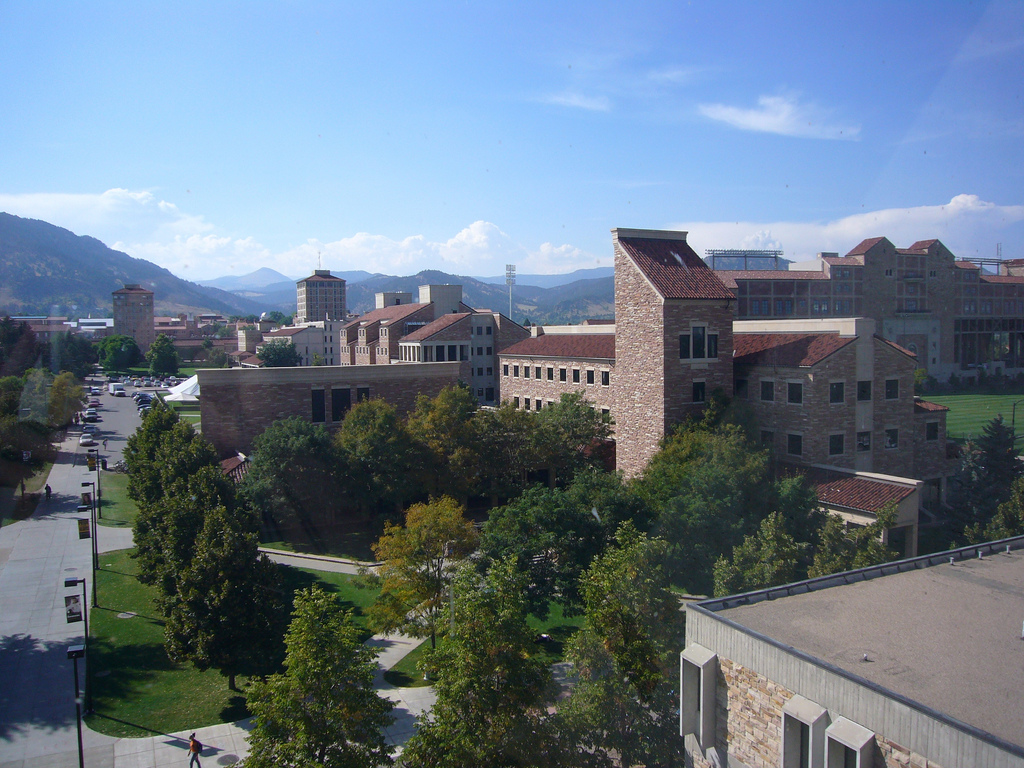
(83, 529)
(73, 607)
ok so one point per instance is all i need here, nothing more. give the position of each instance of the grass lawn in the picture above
(137, 691)
(351, 540)
(12, 508)
(968, 414)
(406, 673)
(118, 510)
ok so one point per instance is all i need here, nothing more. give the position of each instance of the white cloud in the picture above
(579, 101)
(967, 225)
(782, 115)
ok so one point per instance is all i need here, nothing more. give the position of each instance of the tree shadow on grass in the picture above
(235, 710)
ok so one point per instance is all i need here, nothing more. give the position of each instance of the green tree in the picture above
(293, 481)
(445, 426)
(489, 709)
(279, 353)
(66, 399)
(379, 456)
(217, 358)
(509, 438)
(573, 432)
(140, 454)
(624, 702)
(118, 352)
(69, 352)
(1009, 518)
(19, 349)
(228, 609)
(10, 395)
(162, 356)
(416, 570)
(844, 548)
(983, 481)
(177, 452)
(323, 711)
(768, 558)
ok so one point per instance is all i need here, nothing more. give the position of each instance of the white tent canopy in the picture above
(187, 387)
(181, 397)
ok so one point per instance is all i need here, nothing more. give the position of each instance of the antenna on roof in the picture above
(319, 264)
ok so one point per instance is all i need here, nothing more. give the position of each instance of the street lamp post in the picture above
(75, 652)
(71, 582)
(95, 552)
(99, 486)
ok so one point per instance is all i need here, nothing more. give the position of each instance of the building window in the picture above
(606, 378)
(699, 392)
(795, 445)
(698, 336)
(490, 371)
(931, 430)
(590, 376)
(515, 402)
(536, 373)
(795, 392)
(479, 371)
(488, 330)
(319, 414)
(362, 393)
(848, 744)
(480, 392)
(698, 694)
(836, 445)
(537, 403)
(803, 733)
(453, 352)
(504, 369)
(341, 401)
(892, 389)
(863, 391)
(892, 439)
(575, 375)
(479, 331)
(526, 403)
(551, 373)
(837, 392)
(767, 438)
(739, 388)
(712, 346)
(768, 391)
(863, 441)
(489, 394)
(490, 350)
(684, 346)
(561, 374)
(515, 371)
(526, 371)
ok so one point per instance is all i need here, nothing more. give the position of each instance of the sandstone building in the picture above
(321, 296)
(133, 315)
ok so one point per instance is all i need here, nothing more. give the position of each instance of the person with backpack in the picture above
(195, 748)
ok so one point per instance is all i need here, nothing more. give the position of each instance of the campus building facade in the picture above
(133, 314)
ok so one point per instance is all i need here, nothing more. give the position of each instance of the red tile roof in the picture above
(923, 245)
(1002, 279)
(570, 345)
(672, 267)
(385, 315)
(320, 279)
(445, 321)
(1014, 262)
(865, 245)
(924, 406)
(845, 490)
(966, 265)
(235, 468)
(730, 276)
(284, 332)
(843, 261)
(896, 346)
(790, 350)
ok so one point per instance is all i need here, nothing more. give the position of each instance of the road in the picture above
(37, 707)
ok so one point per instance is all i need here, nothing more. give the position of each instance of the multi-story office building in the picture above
(321, 296)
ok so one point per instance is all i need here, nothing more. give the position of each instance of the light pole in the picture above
(75, 652)
(1013, 418)
(99, 486)
(70, 582)
(95, 553)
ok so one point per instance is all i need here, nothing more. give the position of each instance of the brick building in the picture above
(133, 314)
(237, 404)
(952, 315)
(914, 663)
(321, 296)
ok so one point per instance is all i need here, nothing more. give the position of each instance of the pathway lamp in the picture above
(68, 583)
(95, 553)
(76, 652)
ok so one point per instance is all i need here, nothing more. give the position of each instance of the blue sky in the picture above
(215, 138)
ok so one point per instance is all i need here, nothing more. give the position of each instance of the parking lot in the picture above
(117, 418)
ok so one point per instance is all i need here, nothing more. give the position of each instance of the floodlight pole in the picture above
(510, 280)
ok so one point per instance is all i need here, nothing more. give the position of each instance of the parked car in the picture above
(90, 429)
(92, 417)
(86, 439)
(94, 403)
(120, 393)
(94, 390)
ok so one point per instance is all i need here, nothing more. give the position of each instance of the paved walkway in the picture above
(37, 708)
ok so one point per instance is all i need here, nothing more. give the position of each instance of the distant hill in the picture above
(553, 281)
(45, 269)
(267, 279)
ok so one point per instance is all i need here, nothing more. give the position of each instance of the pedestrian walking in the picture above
(195, 748)
(104, 443)
(48, 491)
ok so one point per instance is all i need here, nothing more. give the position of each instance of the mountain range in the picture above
(48, 270)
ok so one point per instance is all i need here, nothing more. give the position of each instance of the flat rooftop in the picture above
(947, 636)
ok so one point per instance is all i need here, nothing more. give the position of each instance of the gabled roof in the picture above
(896, 346)
(924, 245)
(730, 276)
(965, 265)
(924, 406)
(865, 245)
(1002, 279)
(841, 489)
(789, 350)
(430, 329)
(385, 315)
(321, 279)
(567, 345)
(672, 267)
(843, 261)
(279, 332)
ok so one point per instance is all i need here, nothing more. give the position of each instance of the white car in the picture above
(86, 439)
(90, 429)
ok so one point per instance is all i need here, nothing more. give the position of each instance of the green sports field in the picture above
(968, 414)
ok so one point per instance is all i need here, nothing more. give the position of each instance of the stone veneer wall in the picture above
(551, 391)
(237, 404)
(717, 374)
(749, 723)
